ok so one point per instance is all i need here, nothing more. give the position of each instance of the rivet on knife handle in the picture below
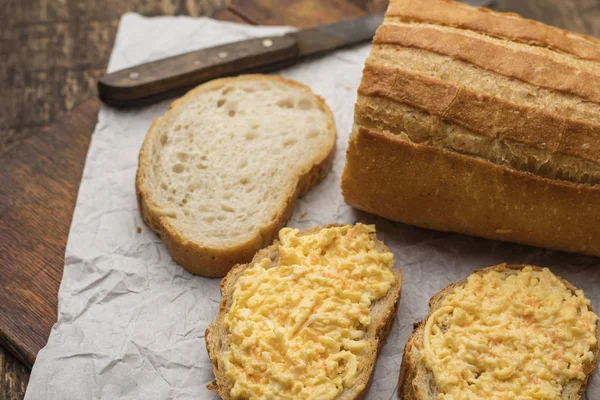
(136, 85)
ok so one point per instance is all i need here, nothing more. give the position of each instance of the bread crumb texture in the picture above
(297, 330)
(224, 158)
(518, 336)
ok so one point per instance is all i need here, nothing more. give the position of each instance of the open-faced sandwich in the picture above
(306, 318)
(507, 332)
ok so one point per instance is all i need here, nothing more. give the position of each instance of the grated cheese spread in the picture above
(521, 336)
(297, 330)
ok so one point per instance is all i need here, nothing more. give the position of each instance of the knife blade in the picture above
(157, 80)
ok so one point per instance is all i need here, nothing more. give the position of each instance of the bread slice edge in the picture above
(210, 261)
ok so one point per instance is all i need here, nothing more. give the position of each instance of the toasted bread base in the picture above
(383, 313)
(210, 261)
(416, 381)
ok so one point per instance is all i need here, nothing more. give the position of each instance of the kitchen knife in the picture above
(157, 80)
(147, 83)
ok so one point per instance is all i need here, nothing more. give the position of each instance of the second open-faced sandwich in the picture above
(506, 332)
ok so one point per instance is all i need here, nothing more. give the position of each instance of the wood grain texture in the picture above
(13, 377)
(303, 14)
(226, 14)
(37, 198)
(52, 53)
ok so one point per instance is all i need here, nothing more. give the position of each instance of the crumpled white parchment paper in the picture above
(131, 322)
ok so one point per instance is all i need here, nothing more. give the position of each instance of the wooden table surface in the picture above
(53, 52)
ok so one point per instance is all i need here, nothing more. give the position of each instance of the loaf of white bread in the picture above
(479, 122)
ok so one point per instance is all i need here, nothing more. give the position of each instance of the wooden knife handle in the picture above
(160, 79)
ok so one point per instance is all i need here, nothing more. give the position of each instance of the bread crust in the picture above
(502, 25)
(435, 147)
(443, 190)
(487, 115)
(206, 260)
(216, 334)
(570, 76)
(415, 380)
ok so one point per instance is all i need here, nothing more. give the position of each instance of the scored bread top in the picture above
(323, 343)
(495, 24)
(506, 330)
(220, 171)
(488, 85)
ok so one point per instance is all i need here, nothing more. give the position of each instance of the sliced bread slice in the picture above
(382, 312)
(220, 172)
(492, 354)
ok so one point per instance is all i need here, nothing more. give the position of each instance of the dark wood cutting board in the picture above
(40, 179)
